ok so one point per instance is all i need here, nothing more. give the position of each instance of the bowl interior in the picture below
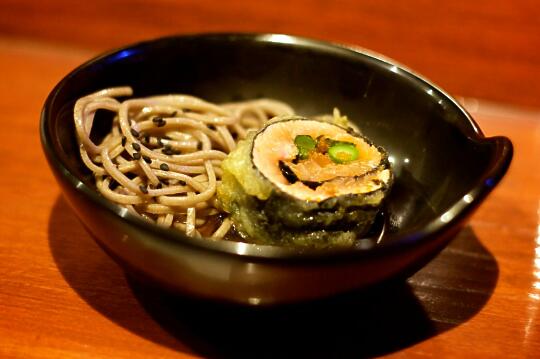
(438, 154)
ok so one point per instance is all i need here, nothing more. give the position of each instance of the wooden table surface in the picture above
(62, 297)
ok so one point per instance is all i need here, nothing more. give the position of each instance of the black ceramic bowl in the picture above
(444, 165)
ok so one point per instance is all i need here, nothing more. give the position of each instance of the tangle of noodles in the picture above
(161, 158)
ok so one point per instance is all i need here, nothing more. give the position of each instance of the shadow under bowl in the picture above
(444, 166)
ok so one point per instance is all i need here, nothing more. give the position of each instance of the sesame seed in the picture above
(161, 123)
(159, 185)
(182, 183)
(159, 142)
(136, 155)
(157, 119)
(199, 146)
(167, 150)
(147, 159)
(134, 133)
(136, 146)
(164, 167)
(124, 139)
(143, 189)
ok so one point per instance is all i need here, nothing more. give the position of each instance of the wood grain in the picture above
(61, 296)
(486, 49)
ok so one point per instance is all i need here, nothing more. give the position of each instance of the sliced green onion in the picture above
(343, 152)
(305, 144)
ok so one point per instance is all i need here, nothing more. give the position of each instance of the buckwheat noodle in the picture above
(161, 158)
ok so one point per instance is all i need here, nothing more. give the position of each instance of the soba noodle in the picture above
(161, 158)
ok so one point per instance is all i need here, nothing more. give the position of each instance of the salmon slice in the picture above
(275, 145)
(319, 168)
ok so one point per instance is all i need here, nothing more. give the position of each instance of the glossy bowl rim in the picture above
(456, 213)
